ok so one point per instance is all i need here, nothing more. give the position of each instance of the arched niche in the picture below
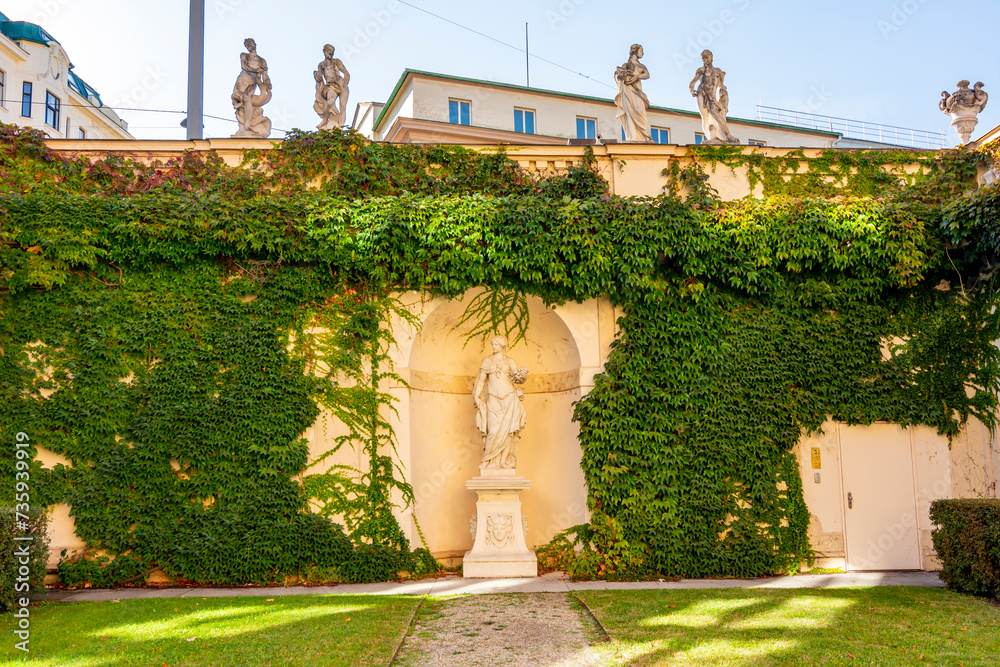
(445, 447)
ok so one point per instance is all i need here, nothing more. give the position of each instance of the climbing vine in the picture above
(895, 174)
(169, 331)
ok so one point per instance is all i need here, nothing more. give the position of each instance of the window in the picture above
(26, 99)
(51, 110)
(698, 138)
(660, 135)
(756, 142)
(586, 128)
(3, 80)
(458, 112)
(83, 133)
(524, 121)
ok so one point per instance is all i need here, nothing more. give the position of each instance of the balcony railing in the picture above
(855, 129)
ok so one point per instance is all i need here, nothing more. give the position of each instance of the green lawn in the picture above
(314, 630)
(840, 626)
(735, 627)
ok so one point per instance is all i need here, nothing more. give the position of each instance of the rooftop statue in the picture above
(631, 101)
(331, 91)
(713, 101)
(500, 417)
(964, 106)
(247, 104)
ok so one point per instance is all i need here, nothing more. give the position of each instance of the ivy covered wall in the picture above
(171, 331)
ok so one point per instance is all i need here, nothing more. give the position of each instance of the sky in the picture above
(883, 61)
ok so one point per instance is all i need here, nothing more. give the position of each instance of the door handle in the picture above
(850, 500)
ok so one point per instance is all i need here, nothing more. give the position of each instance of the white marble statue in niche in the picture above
(500, 416)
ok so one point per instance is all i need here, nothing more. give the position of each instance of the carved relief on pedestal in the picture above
(474, 525)
(499, 529)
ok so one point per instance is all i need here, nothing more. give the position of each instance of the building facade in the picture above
(425, 107)
(39, 89)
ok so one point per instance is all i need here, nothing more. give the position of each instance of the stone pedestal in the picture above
(499, 549)
(964, 120)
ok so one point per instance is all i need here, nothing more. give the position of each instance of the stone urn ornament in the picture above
(964, 106)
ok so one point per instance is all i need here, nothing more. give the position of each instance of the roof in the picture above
(988, 136)
(31, 32)
(510, 86)
(22, 31)
(84, 88)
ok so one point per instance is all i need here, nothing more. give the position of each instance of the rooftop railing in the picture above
(855, 129)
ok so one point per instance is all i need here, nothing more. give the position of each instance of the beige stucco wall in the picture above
(62, 527)
(439, 447)
(934, 465)
(823, 498)
(566, 346)
(630, 169)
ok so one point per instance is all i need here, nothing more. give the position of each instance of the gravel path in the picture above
(510, 629)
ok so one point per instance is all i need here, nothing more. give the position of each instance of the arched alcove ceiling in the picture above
(549, 350)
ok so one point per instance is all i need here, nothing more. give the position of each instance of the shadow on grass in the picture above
(293, 630)
(841, 626)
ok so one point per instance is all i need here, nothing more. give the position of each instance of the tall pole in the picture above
(196, 70)
(527, 69)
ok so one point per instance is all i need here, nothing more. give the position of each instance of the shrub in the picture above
(11, 580)
(422, 562)
(234, 548)
(370, 563)
(594, 550)
(101, 571)
(967, 541)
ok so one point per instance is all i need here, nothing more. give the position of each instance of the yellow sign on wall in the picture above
(815, 458)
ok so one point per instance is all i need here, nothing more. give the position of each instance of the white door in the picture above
(880, 518)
